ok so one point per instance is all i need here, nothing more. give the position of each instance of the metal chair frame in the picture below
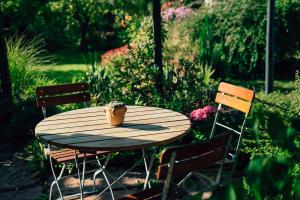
(195, 173)
(243, 96)
(177, 161)
(47, 149)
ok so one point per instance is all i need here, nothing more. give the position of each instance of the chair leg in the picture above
(102, 170)
(148, 169)
(56, 179)
(78, 171)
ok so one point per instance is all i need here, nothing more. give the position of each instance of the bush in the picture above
(231, 36)
(131, 78)
(22, 55)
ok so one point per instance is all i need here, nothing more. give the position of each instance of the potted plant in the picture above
(115, 113)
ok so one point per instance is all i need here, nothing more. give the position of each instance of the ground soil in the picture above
(18, 181)
(21, 181)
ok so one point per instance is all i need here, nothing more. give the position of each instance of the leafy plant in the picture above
(231, 36)
(23, 54)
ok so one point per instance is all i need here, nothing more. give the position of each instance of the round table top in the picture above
(87, 129)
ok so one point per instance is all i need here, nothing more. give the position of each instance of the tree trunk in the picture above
(83, 36)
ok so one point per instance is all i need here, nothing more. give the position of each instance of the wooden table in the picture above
(87, 129)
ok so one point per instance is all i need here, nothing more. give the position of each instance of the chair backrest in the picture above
(193, 157)
(238, 98)
(62, 94)
(235, 97)
(179, 161)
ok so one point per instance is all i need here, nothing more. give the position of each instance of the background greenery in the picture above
(209, 45)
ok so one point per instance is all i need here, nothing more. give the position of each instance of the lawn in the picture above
(66, 66)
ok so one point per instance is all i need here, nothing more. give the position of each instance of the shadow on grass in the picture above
(72, 57)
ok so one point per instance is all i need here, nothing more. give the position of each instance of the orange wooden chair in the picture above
(238, 98)
(65, 94)
(182, 161)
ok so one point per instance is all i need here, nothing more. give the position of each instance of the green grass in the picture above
(66, 66)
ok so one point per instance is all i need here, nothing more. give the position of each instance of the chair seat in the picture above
(155, 193)
(67, 155)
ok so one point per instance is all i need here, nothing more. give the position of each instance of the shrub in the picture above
(23, 54)
(231, 36)
(131, 77)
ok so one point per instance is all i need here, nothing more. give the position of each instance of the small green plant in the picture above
(114, 105)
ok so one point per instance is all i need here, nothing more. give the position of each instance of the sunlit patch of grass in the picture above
(67, 66)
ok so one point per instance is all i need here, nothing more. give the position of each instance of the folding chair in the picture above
(185, 161)
(65, 94)
(238, 98)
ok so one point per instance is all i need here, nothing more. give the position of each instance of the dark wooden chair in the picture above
(58, 95)
(185, 161)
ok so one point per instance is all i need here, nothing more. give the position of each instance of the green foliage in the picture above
(93, 24)
(231, 35)
(23, 54)
(35, 150)
(273, 175)
(131, 78)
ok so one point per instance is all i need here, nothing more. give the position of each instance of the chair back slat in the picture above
(59, 100)
(61, 89)
(62, 94)
(194, 157)
(233, 90)
(183, 167)
(232, 102)
(192, 150)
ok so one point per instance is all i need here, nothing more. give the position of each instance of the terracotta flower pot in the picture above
(115, 117)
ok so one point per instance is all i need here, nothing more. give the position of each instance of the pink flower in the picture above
(198, 115)
(210, 110)
(202, 114)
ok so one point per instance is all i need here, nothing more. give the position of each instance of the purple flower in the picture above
(176, 13)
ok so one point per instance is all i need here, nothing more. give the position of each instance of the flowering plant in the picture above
(176, 13)
(202, 114)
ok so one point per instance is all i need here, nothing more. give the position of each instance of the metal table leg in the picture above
(116, 180)
(56, 179)
(81, 178)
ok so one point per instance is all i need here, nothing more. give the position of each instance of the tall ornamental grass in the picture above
(23, 54)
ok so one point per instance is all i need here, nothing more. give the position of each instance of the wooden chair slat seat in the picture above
(67, 155)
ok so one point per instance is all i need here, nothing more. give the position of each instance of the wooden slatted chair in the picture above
(237, 98)
(58, 95)
(185, 161)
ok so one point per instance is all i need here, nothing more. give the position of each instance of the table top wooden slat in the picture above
(87, 129)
